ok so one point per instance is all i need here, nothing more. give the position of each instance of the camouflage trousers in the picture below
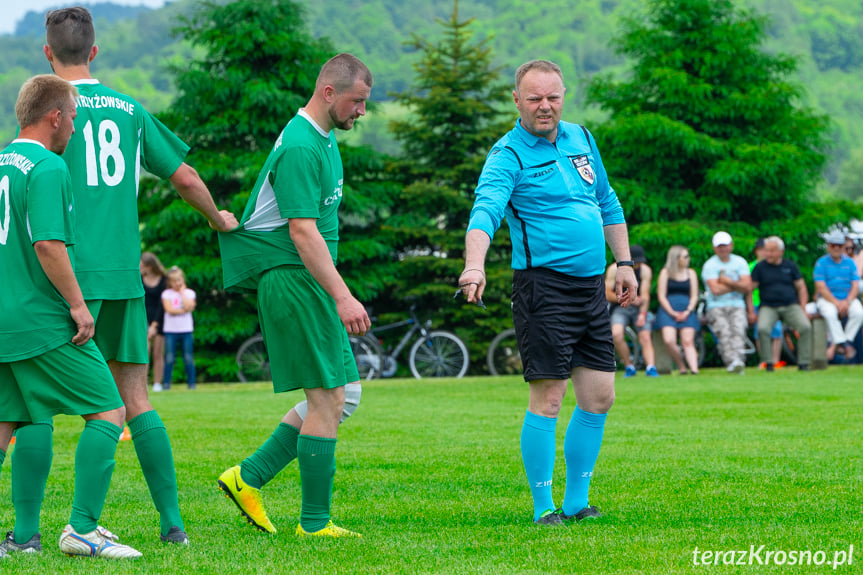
(729, 325)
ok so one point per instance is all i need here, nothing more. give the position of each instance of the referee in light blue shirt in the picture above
(547, 178)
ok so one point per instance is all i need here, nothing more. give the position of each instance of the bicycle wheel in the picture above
(441, 354)
(253, 363)
(503, 357)
(368, 355)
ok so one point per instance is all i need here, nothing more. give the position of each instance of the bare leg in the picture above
(669, 337)
(687, 340)
(6, 430)
(158, 350)
(131, 379)
(644, 338)
(617, 333)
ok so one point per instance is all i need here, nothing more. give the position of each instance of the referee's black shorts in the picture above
(561, 322)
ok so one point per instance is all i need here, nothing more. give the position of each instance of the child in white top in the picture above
(179, 303)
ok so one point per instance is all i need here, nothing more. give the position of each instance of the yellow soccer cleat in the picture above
(329, 530)
(247, 498)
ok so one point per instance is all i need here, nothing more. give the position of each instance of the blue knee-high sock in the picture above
(580, 449)
(537, 452)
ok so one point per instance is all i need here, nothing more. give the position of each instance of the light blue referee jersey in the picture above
(556, 199)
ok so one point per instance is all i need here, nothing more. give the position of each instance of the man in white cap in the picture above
(837, 288)
(729, 300)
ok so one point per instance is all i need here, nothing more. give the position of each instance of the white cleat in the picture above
(98, 543)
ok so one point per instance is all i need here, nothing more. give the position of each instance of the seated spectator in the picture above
(677, 293)
(729, 301)
(639, 317)
(837, 287)
(776, 333)
(783, 295)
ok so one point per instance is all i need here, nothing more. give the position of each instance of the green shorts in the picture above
(306, 341)
(70, 379)
(121, 329)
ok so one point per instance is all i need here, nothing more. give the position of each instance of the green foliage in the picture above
(708, 127)
(455, 116)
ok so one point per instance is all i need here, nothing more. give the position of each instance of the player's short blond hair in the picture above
(41, 95)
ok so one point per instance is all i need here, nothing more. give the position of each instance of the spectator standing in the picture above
(155, 282)
(837, 286)
(776, 332)
(179, 303)
(783, 295)
(677, 294)
(729, 300)
(639, 317)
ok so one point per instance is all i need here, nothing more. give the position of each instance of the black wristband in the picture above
(629, 263)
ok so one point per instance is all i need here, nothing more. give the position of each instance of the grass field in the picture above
(430, 473)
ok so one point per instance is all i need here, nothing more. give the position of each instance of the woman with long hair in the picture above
(155, 282)
(677, 294)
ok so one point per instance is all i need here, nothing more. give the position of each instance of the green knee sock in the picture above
(94, 466)
(157, 462)
(31, 464)
(270, 458)
(317, 458)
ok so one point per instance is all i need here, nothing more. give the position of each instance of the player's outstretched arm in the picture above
(472, 279)
(194, 191)
(55, 262)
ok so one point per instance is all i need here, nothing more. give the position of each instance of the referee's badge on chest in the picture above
(582, 165)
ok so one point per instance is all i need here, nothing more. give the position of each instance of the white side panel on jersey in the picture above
(266, 216)
(138, 164)
(5, 217)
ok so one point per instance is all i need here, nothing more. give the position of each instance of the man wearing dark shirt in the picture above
(783, 295)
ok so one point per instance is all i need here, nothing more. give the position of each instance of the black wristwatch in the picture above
(629, 263)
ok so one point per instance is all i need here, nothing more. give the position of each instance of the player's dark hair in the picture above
(70, 34)
(342, 71)
(41, 95)
(541, 65)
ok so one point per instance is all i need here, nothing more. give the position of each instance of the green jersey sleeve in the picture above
(162, 152)
(49, 205)
(297, 182)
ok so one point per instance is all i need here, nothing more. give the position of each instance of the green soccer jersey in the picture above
(114, 138)
(302, 178)
(35, 204)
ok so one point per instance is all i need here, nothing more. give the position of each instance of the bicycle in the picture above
(436, 353)
(253, 363)
(503, 357)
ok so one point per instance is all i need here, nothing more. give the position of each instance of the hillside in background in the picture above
(137, 45)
